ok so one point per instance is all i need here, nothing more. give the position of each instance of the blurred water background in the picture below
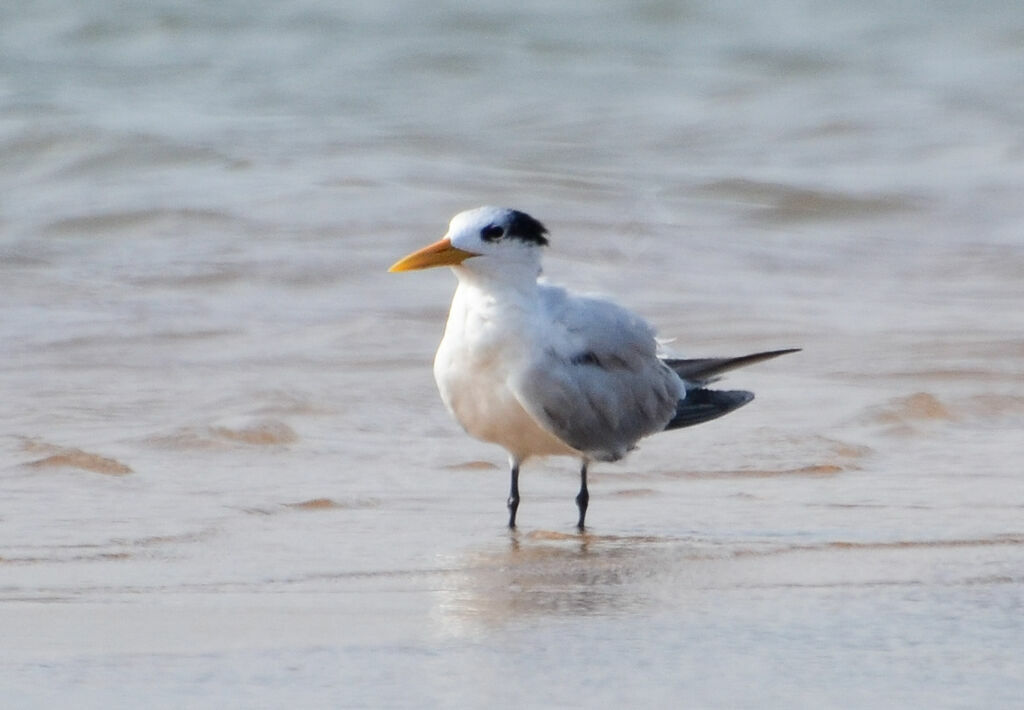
(228, 480)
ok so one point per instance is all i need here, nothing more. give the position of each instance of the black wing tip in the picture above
(708, 369)
(702, 405)
(735, 398)
(767, 355)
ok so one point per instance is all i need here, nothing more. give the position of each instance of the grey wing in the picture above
(601, 387)
(706, 370)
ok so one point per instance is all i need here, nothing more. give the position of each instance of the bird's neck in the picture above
(515, 282)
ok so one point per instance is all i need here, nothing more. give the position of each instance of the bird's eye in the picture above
(492, 233)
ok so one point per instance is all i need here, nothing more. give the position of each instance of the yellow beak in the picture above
(440, 253)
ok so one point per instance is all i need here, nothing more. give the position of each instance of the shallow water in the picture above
(229, 482)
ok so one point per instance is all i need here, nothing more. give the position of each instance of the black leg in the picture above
(513, 496)
(583, 497)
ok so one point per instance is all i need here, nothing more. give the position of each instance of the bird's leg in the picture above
(583, 497)
(513, 495)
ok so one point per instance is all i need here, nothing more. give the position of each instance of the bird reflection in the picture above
(551, 573)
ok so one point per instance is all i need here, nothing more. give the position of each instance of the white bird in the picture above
(541, 371)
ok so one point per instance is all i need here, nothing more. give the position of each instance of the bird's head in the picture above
(483, 239)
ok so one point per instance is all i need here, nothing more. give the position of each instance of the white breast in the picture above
(485, 343)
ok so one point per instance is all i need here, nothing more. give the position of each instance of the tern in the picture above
(541, 371)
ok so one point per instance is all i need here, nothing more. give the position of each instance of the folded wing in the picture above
(600, 386)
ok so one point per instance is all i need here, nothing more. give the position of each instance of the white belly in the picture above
(481, 402)
(472, 368)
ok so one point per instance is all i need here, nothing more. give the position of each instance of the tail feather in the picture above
(706, 370)
(702, 405)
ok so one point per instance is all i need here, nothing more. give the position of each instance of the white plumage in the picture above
(540, 371)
